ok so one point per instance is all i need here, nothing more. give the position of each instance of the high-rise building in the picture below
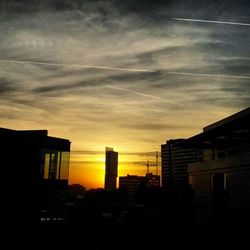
(111, 168)
(174, 163)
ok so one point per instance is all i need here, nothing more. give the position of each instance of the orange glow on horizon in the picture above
(91, 174)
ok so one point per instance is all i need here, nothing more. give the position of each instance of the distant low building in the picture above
(136, 186)
(132, 184)
(152, 181)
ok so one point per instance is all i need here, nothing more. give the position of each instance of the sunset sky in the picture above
(124, 74)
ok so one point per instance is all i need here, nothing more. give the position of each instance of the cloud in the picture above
(6, 86)
(66, 66)
(102, 72)
(149, 126)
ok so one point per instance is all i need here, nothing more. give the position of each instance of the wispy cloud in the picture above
(83, 69)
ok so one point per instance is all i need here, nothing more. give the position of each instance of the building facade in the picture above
(133, 184)
(111, 169)
(152, 180)
(36, 165)
(221, 179)
(174, 163)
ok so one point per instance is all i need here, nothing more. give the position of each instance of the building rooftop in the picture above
(33, 137)
(233, 130)
(229, 120)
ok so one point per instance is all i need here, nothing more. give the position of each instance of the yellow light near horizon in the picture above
(92, 174)
(125, 158)
(88, 174)
(98, 159)
(86, 157)
(89, 170)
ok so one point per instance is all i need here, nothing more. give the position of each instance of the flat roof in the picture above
(33, 137)
(232, 129)
(232, 118)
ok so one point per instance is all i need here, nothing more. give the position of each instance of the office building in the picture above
(111, 169)
(133, 184)
(174, 163)
(139, 187)
(34, 165)
(221, 179)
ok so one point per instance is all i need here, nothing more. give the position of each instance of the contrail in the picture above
(76, 65)
(209, 21)
(133, 92)
(207, 75)
(124, 69)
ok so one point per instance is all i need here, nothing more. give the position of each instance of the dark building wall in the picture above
(222, 199)
(21, 165)
(164, 164)
(221, 180)
(152, 180)
(238, 186)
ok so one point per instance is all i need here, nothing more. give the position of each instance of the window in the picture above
(54, 164)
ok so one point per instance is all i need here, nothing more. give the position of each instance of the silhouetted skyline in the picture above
(130, 74)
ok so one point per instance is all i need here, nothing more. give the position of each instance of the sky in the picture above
(124, 74)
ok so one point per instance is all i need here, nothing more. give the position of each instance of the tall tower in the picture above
(111, 166)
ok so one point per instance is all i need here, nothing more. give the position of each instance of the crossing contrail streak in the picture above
(124, 69)
(207, 75)
(209, 21)
(76, 65)
(133, 92)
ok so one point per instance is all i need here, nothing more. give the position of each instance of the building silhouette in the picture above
(152, 180)
(35, 166)
(174, 163)
(111, 169)
(132, 184)
(136, 186)
(221, 178)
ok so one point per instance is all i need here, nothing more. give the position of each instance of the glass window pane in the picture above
(64, 173)
(58, 168)
(46, 166)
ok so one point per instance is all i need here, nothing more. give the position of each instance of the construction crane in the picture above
(156, 164)
(148, 164)
(157, 155)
